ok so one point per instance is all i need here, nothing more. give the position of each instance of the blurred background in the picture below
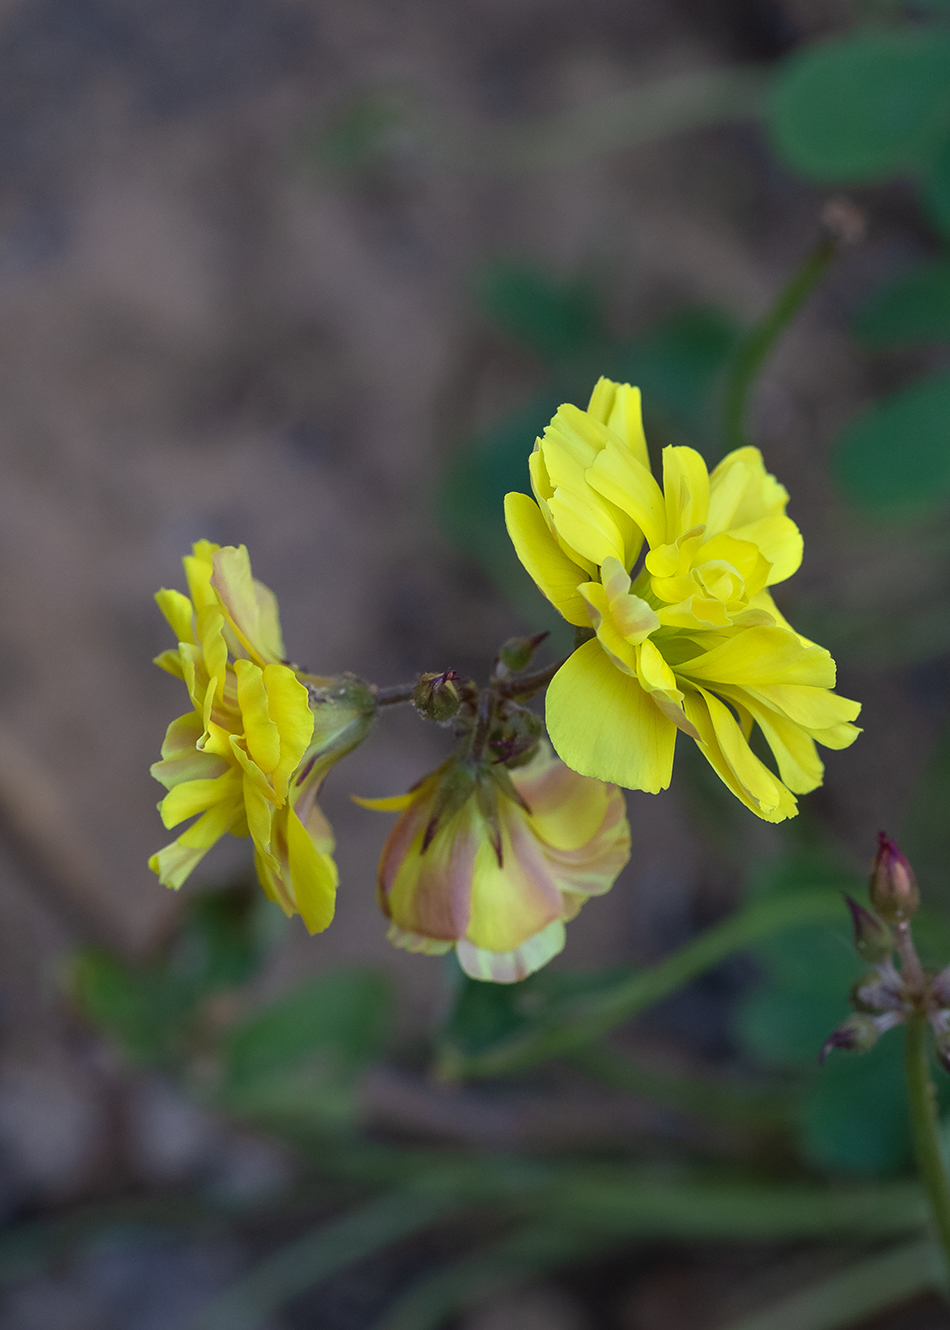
(311, 277)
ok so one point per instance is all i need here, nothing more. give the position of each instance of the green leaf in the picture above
(677, 364)
(139, 1009)
(552, 318)
(912, 310)
(896, 454)
(935, 188)
(298, 1059)
(863, 107)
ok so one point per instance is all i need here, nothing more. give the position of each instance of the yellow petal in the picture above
(313, 874)
(726, 749)
(251, 607)
(288, 704)
(621, 652)
(198, 570)
(557, 577)
(618, 406)
(618, 476)
(263, 736)
(195, 796)
(686, 490)
(514, 900)
(393, 803)
(178, 610)
(604, 725)
(780, 541)
(170, 662)
(760, 657)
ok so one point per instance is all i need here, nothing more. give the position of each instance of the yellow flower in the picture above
(251, 755)
(687, 637)
(493, 867)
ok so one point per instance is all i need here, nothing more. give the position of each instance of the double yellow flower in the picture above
(673, 582)
(250, 757)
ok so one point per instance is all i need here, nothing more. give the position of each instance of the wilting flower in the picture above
(493, 862)
(250, 757)
(688, 638)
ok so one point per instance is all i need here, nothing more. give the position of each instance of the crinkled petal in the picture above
(618, 406)
(727, 750)
(761, 657)
(685, 489)
(617, 475)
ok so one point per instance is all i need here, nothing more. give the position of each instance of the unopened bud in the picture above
(516, 653)
(893, 887)
(873, 941)
(873, 994)
(436, 696)
(515, 742)
(859, 1033)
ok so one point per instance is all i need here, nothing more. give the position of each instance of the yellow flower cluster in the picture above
(250, 756)
(673, 583)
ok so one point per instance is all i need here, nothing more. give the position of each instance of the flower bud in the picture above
(859, 1033)
(515, 740)
(516, 653)
(873, 941)
(436, 696)
(893, 887)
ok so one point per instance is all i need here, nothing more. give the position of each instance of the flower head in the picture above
(250, 756)
(493, 863)
(674, 582)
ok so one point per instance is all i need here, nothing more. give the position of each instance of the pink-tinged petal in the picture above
(431, 892)
(566, 809)
(592, 869)
(515, 899)
(238, 595)
(415, 942)
(513, 966)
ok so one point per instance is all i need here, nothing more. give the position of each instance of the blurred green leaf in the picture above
(138, 1008)
(151, 1009)
(298, 1059)
(362, 131)
(553, 318)
(911, 310)
(896, 454)
(863, 107)
(925, 833)
(935, 188)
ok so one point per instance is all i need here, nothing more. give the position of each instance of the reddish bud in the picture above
(893, 887)
(859, 1033)
(437, 697)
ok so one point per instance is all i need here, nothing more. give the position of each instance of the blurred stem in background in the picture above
(842, 226)
(922, 1100)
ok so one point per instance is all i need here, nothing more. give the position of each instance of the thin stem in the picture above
(912, 972)
(843, 225)
(922, 1100)
(529, 684)
(398, 692)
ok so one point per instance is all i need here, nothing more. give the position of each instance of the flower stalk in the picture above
(922, 1102)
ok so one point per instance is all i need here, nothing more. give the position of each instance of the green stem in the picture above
(755, 349)
(922, 1100)
(570, 1025)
